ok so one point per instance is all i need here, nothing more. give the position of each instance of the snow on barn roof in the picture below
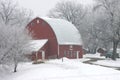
(65, 31)
(35, 45)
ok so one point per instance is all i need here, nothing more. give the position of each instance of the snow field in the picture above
(66, 70)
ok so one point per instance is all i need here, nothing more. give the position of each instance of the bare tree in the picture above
(70, 11)
(111, 19)
(11, 14)
(13, 44)
(13, 34)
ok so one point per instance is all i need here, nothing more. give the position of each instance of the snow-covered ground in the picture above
(4, 72)
(97, 55)
(105, 61)
(69, 69)
(66, 70)
(109, 62)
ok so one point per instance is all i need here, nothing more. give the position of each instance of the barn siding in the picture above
(42, 30)
(67, 51)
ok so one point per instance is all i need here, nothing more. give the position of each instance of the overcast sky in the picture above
(42, 7)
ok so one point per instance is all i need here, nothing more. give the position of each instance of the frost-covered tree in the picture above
(13, 34)
(13, 44)
(110, 28)
(70, 11)
(10, 13)
(91, 41)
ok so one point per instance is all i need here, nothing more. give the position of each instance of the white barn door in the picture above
(77, 54)
(43, 55)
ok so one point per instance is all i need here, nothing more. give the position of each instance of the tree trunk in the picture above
(115, 44)
(15, 67)
(15, 64)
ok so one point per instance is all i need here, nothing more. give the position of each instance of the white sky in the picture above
(42, 7)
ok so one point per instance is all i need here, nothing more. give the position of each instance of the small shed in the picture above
(38, 48)
(63, 38)
(102, 51)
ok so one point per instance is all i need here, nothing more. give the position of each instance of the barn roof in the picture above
(65, 31)
(35, 45)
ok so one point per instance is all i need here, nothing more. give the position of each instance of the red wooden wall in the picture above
(70, 52)
(41, 30)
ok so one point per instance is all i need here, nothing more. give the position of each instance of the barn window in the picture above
(38, 21)
(67, 54)
(75, 53)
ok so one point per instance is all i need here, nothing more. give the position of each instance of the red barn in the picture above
(59, 38)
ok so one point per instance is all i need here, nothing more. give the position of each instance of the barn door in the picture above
(43, 55)
(77, 54)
